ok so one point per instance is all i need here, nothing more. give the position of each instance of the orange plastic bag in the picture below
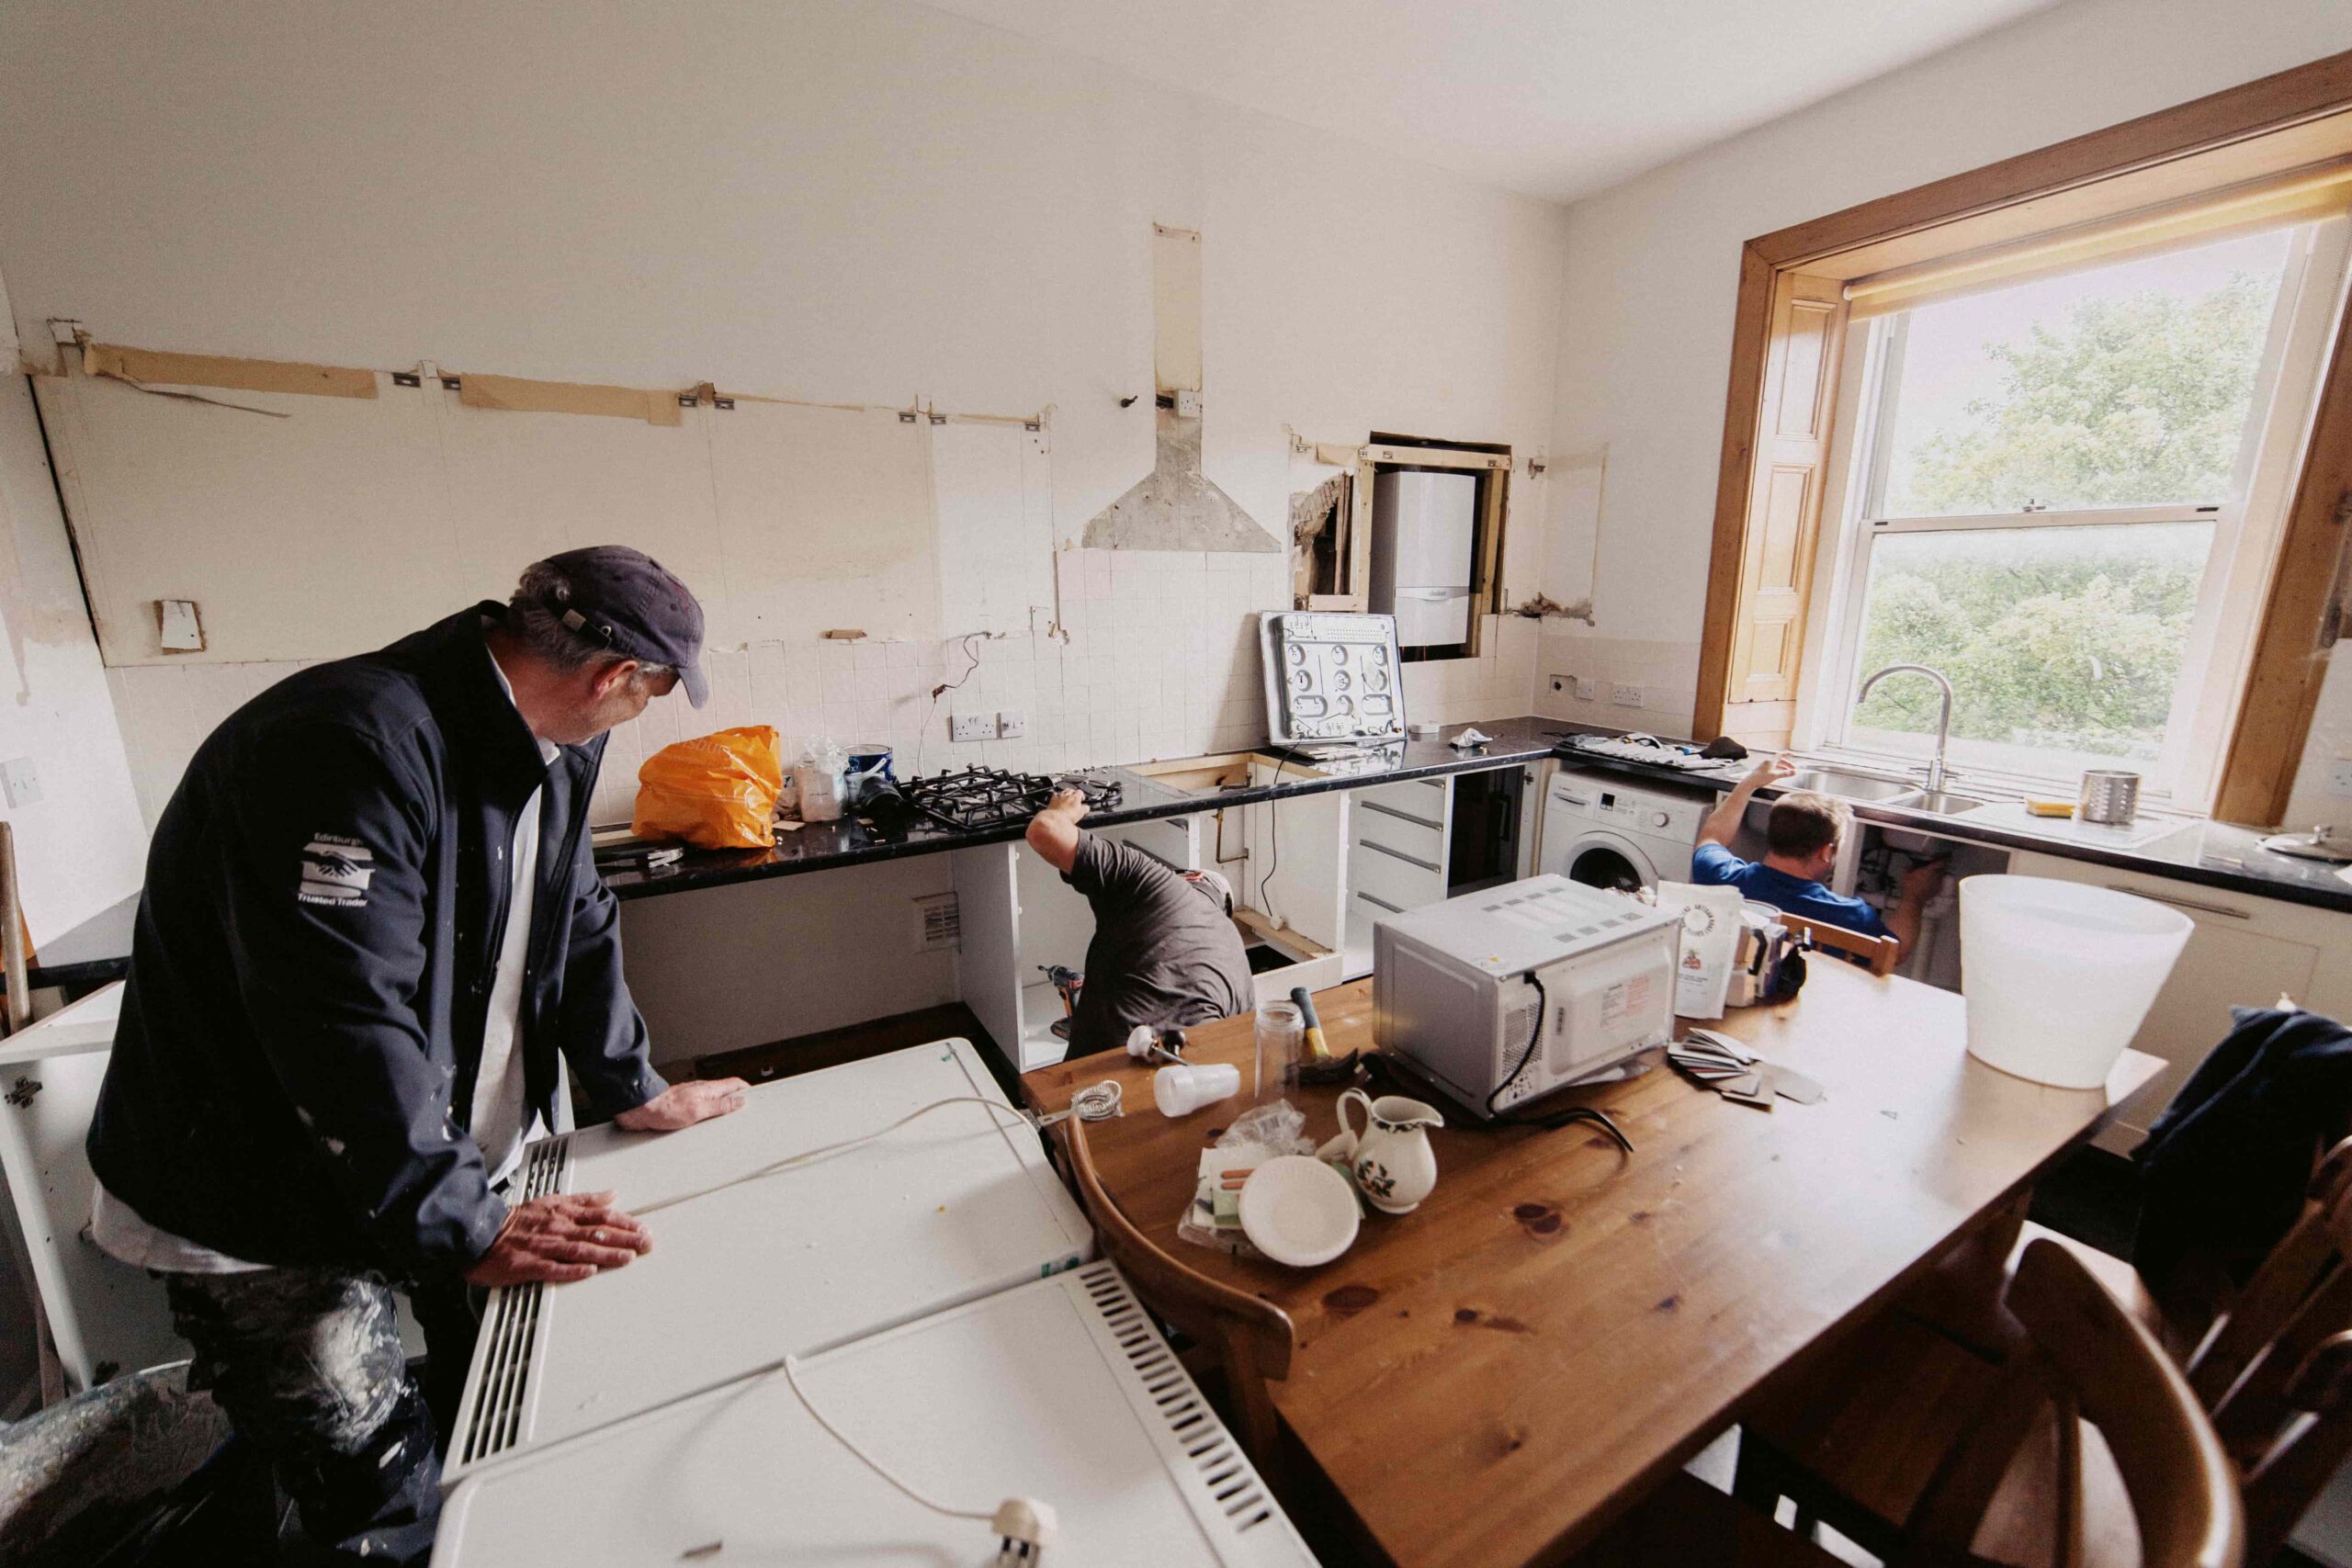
(715, 792)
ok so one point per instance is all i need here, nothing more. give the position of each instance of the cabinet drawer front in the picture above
(1424, 799)
(1422, 837)
(1393, 879)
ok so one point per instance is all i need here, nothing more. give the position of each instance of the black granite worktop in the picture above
(821, 846)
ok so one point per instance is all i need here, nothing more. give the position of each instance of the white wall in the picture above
(1654, 266)
(867, 203)
(81, 847)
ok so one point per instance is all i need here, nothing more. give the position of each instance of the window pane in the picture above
(2126, 386)
(2063, 645)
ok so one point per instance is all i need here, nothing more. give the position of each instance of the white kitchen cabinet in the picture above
(1018, 917)
(2245, 951)
(1401, 839)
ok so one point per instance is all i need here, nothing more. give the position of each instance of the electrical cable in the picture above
(1096, 1102)
(1534, 1036)
(792, 1378)
(809, 1156)
(1273, 843)
(931, 713)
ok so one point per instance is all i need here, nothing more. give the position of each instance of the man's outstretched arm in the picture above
(1053, 832)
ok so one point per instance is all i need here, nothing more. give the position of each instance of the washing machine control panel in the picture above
(1632, 810)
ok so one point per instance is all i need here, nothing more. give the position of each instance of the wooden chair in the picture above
(1880, 952)
(1250, 1338)
(2018, 1487)
(1857, 1440)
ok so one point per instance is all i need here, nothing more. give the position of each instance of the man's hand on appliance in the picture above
(684, 1104)
(558, 1238)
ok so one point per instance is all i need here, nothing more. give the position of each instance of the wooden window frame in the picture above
(2264, 129)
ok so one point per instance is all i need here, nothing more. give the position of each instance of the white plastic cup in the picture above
(1180, 1091)
(2059, 976)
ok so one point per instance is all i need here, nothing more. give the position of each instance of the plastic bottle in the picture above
(819, 780)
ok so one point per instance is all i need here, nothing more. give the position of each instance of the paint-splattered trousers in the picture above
(308, 1365)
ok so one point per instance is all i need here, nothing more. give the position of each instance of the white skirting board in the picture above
(1060, 1390)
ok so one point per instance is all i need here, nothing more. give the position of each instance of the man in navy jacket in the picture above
(371, 924)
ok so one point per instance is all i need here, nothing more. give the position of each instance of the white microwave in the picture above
(1524, 988)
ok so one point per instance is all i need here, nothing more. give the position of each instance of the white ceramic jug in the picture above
(1395, 1167)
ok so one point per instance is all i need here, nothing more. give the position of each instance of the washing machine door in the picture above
(1606, 860)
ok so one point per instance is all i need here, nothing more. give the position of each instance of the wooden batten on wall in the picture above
(2274, 129)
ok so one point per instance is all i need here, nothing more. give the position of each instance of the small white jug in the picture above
(1394, 1165)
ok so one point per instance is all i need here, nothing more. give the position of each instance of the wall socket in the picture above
(965, 726)
(2339, 778)
(1011, 726)
(21, 781)
(1625, 697)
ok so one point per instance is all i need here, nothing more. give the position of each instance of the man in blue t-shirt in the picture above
(1801, 840)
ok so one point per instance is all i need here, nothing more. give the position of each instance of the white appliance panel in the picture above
(1046, 1391)
(1426, 523)
(1432, 617)
(955, 1205)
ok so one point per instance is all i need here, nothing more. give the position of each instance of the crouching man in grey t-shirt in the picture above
(1165, 950)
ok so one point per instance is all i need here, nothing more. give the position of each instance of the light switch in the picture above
(21, 781)
(1011, 726)
(182, 631)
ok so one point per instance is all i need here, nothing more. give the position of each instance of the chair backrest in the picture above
(2087, 1357)
(2276, 1371)
(1879, 952)
(1202, 1307)
(1252, 1337)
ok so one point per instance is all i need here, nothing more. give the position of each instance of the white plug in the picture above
(1024, 1527)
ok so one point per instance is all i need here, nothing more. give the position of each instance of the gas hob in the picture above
(978, 799)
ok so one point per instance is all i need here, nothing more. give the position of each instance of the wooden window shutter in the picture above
(1778, 518)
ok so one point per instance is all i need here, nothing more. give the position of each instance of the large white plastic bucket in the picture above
(2059, 976)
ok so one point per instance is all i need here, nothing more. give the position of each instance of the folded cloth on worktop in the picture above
(2223, 1169)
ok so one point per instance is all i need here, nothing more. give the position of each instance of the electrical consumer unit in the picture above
(1062, 1389)
(1503, 995)
(957, 1203)
(1332, 677)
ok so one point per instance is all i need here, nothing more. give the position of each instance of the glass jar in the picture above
(1281, 1047)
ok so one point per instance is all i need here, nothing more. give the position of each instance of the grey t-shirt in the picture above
(1164, 952)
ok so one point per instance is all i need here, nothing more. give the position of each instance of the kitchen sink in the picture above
(1942, 802)
(1853, 786)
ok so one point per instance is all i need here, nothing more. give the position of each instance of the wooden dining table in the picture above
(1495, 1377)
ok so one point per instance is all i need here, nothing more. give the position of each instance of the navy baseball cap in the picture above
(628, 601)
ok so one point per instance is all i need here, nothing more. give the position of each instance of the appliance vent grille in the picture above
(1211, 1450)
(513, 1326)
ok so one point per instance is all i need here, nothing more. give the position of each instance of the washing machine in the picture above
(1607, 831)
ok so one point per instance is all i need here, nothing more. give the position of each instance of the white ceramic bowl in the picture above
(1299, 1211)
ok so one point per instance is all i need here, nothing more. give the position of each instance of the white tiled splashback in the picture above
(1666, 672)
(1160, 660)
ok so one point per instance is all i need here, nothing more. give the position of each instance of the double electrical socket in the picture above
(1007, 726)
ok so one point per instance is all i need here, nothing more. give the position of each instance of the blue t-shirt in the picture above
(1713, 865)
